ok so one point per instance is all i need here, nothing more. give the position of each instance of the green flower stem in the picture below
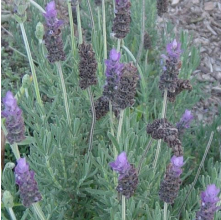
(123, 208)
(37, 208)
(104, 29)
(15, 150)
(80, 37)
(120, 125)
(37, 6)
(142, 32)
(71, 26)
(63, 163)
(114, 7)
(11, 213)
(165, 211)
(91, 13)
(118, 45)
(144, 154)
(163, 115)
(58, 65)
(198, 172)
(51, 173)
(93, 119)
(31, 63)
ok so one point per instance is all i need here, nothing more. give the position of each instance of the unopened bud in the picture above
(39, 32)
(7, 199)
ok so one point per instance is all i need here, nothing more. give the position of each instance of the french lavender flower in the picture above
(184, 122)
(121, 25)
(162, 7)
(14, 120)
(168, 80)
(27, 184)
(52, 37)
(208, 205)
(128, 178)
(87, 66)
(126, 91)
(162, 129)
(113, 73)
(170, 185)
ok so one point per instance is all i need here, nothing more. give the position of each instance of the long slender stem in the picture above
(15, 150)
(120, 125)
(37, 6)
(142, 32)
(31, 63)
(123, 208)
(71, 26)
(38, 211)
(163, 115)
(104, 29)
(12, 214)
(58, 64)
(91, 13)
(93, 119)
(118, 45)
(165, 211)
(144, 154)
(80, 40)
(198, 172)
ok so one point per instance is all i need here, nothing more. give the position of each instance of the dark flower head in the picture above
(27, 184)
(14, 120)
(174, 49)
(210, 195)
(51, 15)
(177, 163)
(121, 164)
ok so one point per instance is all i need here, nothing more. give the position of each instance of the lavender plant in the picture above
(120, 177)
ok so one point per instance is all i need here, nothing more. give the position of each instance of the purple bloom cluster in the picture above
(208, 206)
(121, 164)
(27, 184)
(51, 15)
(174, 49)
(128, 178)
(177, 163)
(184, 122)
(170, 185)
(14, 120)
(52, 37)
(113, 73)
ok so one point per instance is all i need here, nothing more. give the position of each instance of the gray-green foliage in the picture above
(77, 186)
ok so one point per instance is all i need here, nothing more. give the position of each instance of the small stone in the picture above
(196, 1)
(175, 2)
(209, 6)
(216, 90)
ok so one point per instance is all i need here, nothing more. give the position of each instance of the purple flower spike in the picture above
(210, 194)
(177, 163)
(14, 120)
(208, 206)
(27, 184)
(174, 49)
(121, 164)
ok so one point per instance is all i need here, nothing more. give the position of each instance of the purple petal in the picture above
(121, 164)
(210, 194)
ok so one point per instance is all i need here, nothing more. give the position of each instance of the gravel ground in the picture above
(203, 20)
